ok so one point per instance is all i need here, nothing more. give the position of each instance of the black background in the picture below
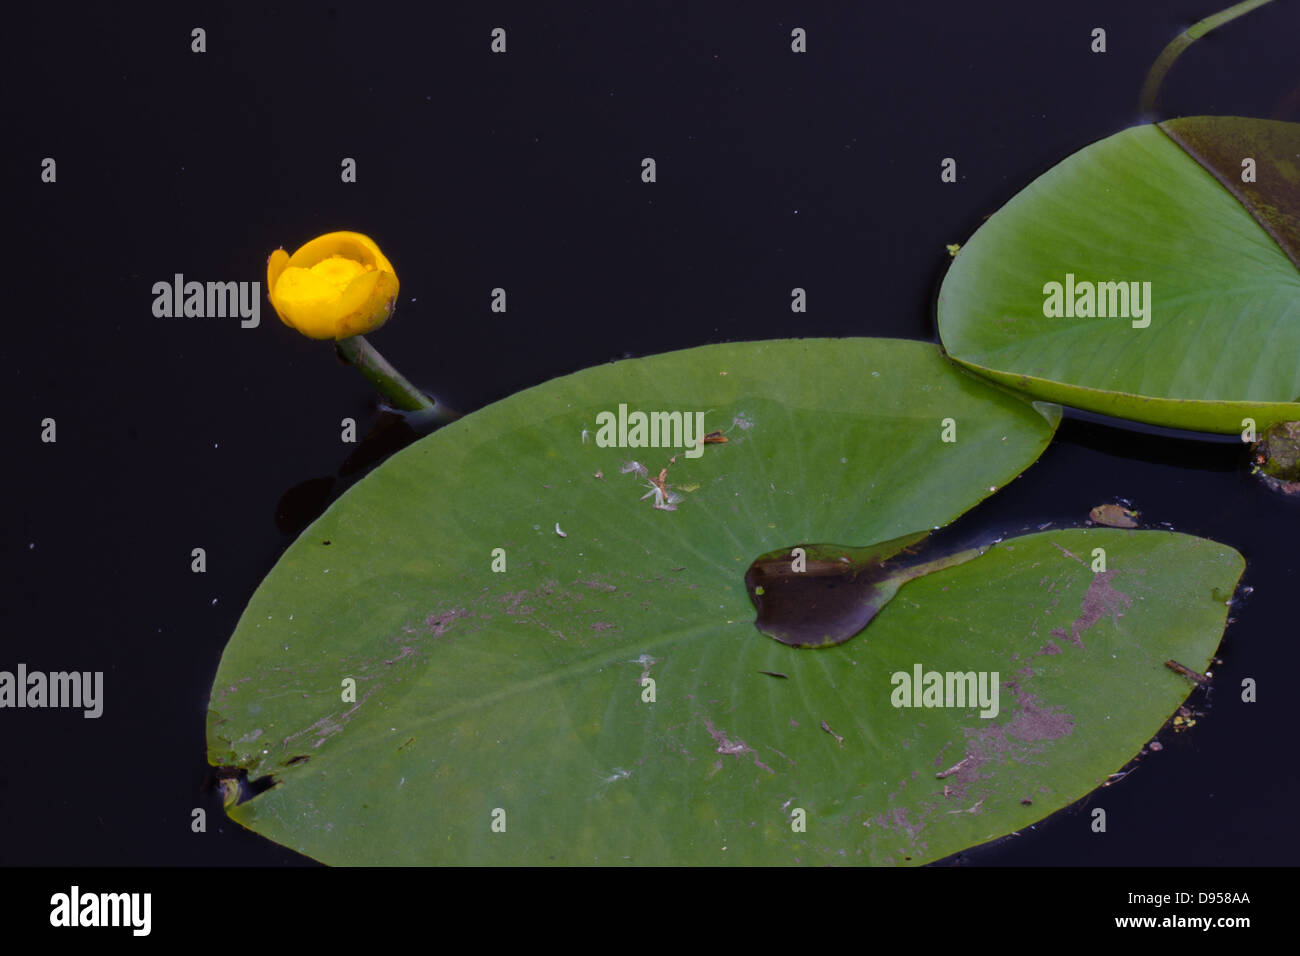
(523, 171)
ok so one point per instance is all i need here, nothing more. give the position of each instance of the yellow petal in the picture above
(274, 267)
(368, 303)
(306, 301)
(315, 305)
(350, 245)
(334, 286)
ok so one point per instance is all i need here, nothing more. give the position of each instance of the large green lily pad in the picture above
(1164, 205)
(520, 698)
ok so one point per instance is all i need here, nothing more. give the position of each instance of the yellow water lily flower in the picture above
(336, 286)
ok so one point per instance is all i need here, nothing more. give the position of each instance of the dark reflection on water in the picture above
(389, 433)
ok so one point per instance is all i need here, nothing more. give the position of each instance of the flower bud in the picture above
(336, 286)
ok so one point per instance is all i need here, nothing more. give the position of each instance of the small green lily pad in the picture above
(1179, 299)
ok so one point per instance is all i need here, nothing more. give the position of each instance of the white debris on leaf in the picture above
(662, 503)
(558, 531)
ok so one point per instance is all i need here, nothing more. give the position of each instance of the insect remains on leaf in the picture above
(665, 500)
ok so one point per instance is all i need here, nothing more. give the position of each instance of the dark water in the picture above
(522, 171)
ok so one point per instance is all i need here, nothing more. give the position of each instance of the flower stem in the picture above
(1151, 88)
(391, 383)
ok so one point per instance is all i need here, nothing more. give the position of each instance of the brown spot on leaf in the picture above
(441, 622)
(1220, 143)
(513, 601)
(225, 692)
(989, 746)
(955, 768)
(733, 748)
(405, 652)
(897, 820)
(1061, 635)
(1100, 600)
(1035, 722)
(329, 725)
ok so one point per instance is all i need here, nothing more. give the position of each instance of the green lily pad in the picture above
(507, 717)
(1160, 205)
